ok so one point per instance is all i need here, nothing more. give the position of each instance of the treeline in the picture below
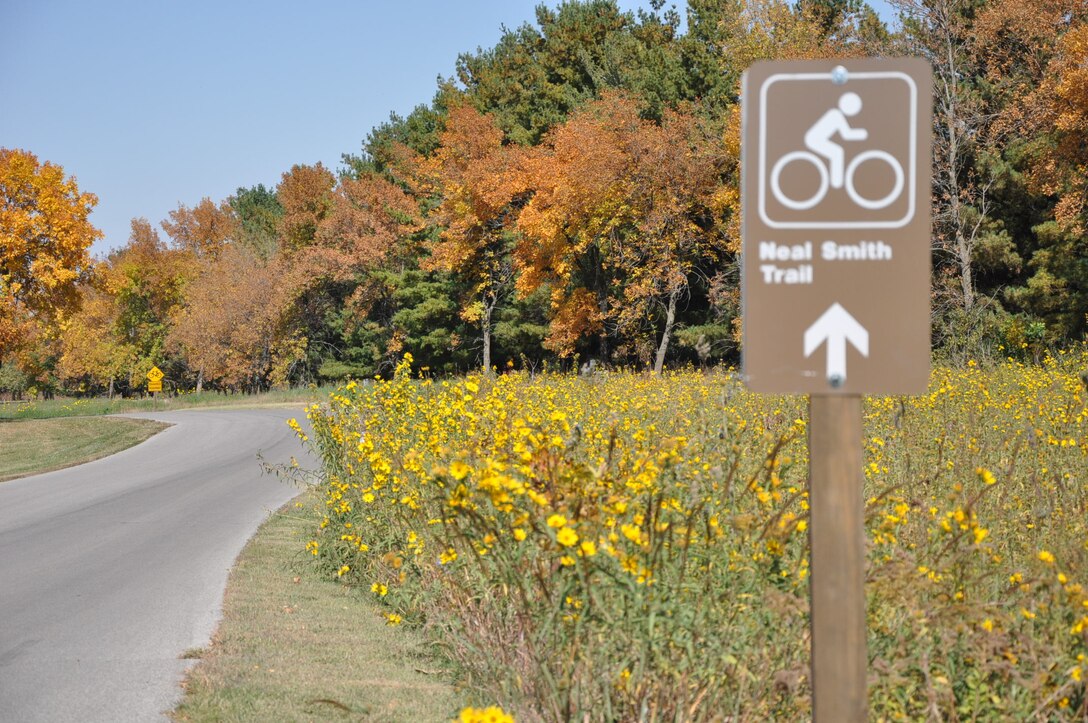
(571, 195)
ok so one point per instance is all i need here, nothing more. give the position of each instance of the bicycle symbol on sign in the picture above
(829, 158)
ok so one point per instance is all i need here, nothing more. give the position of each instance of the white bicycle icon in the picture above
(825, 181)
(819, 139)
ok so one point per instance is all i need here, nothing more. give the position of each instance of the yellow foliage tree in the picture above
(45, 235)
(91, 349)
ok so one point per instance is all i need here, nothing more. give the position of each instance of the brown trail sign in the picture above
(836, 226)
(835, 291)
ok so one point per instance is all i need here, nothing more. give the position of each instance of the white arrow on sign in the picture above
(836, 326)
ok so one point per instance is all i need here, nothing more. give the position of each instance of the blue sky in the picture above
(151, 103)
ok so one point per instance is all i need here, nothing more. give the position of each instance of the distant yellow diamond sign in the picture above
(155, 375)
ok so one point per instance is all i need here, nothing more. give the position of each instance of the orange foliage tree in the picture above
(230, 326)
(685, 198)
(625, 211)
(203, 229)
(120, 329)
(305, 192)
(1061, 101)
(365, 218)
(1035, 54)
(477, 177)
(362, 229)
(580, 179)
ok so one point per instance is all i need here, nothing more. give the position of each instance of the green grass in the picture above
(42, 445)
(294, 647)
(90, 406)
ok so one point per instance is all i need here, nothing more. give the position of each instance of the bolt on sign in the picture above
(836, 226)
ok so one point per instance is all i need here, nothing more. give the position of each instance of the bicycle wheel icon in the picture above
(803, 204)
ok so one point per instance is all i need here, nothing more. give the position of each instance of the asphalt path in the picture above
(111, 570)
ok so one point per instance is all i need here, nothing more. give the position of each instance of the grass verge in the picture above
(294, 647)
(90, 406)
(43, 445)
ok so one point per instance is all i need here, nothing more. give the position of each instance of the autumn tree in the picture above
(305, 193)
(943, 32)
(580, 180)
(45, 235)
(147, 281)
(684, 198)
(625, 213)
(1033, 55)
(1062, 100)
(92, 350)
(478, 181)
(204, 229)
(231, 324)
(120, 330)
(333, 277)
(365, 218)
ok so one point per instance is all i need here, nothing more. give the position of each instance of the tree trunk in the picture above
(200, 380)
(967, 282)
(955, 132)
(485, 324)
(670, 321)
(111, 389)
(602, 305)
(959, 119)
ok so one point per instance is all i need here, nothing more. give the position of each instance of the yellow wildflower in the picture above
(492, 714)
(566, 537)
(557, 521)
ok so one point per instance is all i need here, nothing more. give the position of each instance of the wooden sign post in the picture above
(835, 290)
(837, 543)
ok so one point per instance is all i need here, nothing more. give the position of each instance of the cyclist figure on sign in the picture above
(818, 137)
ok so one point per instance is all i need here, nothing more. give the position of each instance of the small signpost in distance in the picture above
(835, 293)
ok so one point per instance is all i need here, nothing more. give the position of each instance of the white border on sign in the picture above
(912, 161)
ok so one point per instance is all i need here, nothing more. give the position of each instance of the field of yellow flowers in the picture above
(628, 547)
